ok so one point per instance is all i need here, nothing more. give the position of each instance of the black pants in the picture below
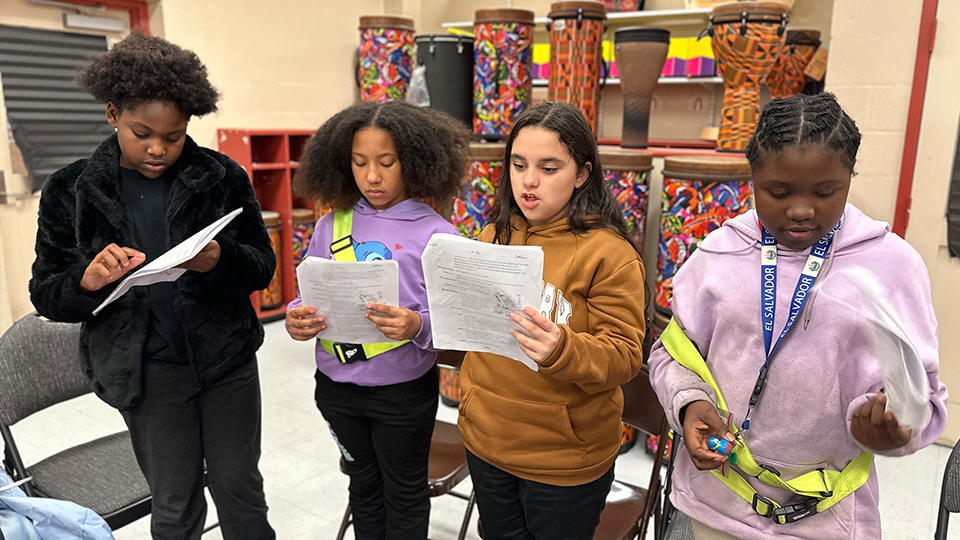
(176, 428)
(384, 436)
(513, 508)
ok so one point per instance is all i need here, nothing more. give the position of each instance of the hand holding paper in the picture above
(165, 267)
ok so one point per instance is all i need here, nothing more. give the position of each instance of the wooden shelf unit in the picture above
(270, 157)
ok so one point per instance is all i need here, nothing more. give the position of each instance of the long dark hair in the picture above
(592, 206)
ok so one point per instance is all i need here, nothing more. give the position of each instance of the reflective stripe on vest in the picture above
(342, 250)
(824, 488)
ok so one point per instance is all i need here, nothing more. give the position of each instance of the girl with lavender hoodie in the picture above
(381, 161)
(823, 400)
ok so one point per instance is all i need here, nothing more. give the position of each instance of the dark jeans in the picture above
(384, 436)
(513, 508)
(176, 428)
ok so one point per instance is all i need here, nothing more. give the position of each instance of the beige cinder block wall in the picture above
(871, 71)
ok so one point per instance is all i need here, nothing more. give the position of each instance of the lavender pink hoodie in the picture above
(818, 377)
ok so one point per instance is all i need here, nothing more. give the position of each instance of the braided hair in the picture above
(799, 122)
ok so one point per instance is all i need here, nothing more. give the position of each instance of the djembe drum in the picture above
(449, 70)
(786, 78)
(473, 208)
(386, 57)
(576, 55)
(303, 224)
(272, 296)
(699, 194)
(626, 174)
(502, 63)
(640, 54)
(747, 38)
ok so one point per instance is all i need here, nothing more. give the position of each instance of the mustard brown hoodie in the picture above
(561, 425)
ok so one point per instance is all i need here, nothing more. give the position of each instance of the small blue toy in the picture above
(720, 446)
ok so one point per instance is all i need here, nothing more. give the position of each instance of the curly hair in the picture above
(142, 69)
(802, 121)
(431, 146)
(592, 205)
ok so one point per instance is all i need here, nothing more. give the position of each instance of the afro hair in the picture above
(431, 146)
(142, 69)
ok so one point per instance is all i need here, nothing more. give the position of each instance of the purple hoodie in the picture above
(399, 233)
(817, 379)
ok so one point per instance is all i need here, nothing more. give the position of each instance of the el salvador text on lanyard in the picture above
(768, 299)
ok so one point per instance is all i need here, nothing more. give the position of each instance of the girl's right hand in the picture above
(700, 422)
(303, 324)
(109, 265)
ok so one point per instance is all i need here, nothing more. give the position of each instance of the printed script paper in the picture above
(164, 267)
(472, 287)
(340, 292)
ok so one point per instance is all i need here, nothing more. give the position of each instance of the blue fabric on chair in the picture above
(51, 519)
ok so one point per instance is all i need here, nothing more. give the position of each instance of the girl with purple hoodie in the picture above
(818, 404)
(378, 163)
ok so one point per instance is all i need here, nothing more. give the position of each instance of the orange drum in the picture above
(576, 54)
(272, 296)
(787, 79)
(747, 38)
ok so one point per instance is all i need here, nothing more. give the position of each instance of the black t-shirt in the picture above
(147, 200)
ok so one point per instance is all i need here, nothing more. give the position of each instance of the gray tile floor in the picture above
(307, 493)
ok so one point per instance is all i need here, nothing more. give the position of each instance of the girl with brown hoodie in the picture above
(542, 444)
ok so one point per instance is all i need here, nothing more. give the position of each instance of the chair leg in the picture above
(345, 524)
(466, 517)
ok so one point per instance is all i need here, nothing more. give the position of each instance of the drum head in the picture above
(426, 39)
(487, 152)
(756, 11)
(800, 36)
(641, 33)
(386, 21)
(615, 159)
(503, 15)
(569, 10)
(707, 168)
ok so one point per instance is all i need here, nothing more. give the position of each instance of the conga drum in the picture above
(386, 57)
(448, 61)
(786, 78)
(502, 63)
(747, 38)
(626, 174)
(699, 194)
(576, 55)
(272, 296)
(640, 54)
(473, 208)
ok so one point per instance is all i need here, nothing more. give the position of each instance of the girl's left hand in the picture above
(397, 323)
(544, 334)
(876, 428)
(206, 260)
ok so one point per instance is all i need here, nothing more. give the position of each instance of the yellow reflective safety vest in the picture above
(823, 488)
(342, 249)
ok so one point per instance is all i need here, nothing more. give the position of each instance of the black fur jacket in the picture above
(81, 212)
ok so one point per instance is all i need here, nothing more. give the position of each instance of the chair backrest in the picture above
(39, 367)
(951, 482)
(641, 408)
(453, 359)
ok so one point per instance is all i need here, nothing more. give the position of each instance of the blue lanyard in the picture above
(768, 299)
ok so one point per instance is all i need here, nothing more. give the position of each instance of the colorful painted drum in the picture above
(272, 296)
(576, 55)
(626, 173)
(449, 386)
(473, 208)
(303, 224)
(502, 62)
(623, 5)
(386, 57)
(786, 78)
(640, 54)
(747, 38)
(449, 63)
(699, 194)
